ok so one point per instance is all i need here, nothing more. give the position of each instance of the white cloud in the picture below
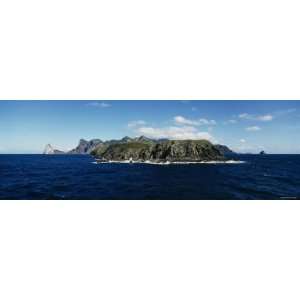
(179, 120)
(253, 128)
(244, 116)
(184, 129)
(242, 140)
(232, 121)
(99, 104)
(175, 132)
(183, 121)
(207, 122)
(263, 118)
(267, 117)
(133, 124)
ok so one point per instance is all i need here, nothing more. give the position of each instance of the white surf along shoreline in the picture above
(168, 162)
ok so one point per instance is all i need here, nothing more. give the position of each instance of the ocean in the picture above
(78, 177)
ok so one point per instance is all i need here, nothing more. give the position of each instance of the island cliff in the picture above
(86, 147)
(146, 149)
(172, 151)
(224, 149)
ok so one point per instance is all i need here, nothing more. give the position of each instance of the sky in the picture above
(244, 126)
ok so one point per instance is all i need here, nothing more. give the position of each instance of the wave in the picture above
(212, 162)
(169, 163)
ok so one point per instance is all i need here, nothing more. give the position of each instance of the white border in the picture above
(149, 50)
(149, 250)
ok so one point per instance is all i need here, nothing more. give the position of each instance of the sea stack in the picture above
(50, 150)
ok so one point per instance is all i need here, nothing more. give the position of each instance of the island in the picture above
(170, 151)
(144, 149)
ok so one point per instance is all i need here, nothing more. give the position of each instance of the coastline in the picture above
(149, 162)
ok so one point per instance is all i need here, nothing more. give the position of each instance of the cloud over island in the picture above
(182, 129)
(183, 121)
(175, 132)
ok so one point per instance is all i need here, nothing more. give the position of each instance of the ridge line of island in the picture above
(145, 150)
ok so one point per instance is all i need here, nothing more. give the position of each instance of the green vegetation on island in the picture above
(173, 150)
(146, 149)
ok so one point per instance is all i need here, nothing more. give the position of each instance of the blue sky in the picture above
(245, 126)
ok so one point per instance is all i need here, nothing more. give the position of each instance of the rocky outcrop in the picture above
(183, 150)
(224, 149)
(144, 139)
(124, 151)
(126, 139)
(50, 150)
(86, 147)
(186, 150)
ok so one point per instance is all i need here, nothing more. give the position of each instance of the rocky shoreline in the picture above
(101, 161)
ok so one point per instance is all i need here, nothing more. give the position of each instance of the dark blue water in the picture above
(76, 177)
